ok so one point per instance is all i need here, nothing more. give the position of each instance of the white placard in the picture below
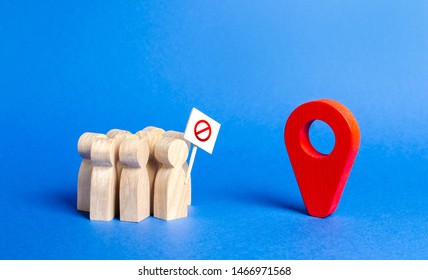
(202, 130)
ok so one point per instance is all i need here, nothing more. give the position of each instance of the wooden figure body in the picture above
(188, 183)
(152, 135)
(134, 181)
(85, 170)
(104, 179)
(119, 135)
(170, 194)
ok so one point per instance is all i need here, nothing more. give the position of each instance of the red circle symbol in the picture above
(200, 127)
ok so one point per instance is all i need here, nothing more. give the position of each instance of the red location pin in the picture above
(322, 178)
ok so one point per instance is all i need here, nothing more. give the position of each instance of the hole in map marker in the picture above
(322, 137)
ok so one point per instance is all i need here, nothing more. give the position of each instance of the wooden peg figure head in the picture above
(171, 152)
(103, 152)
(134, 152)
(85, 142)
(177, 135)
(118, 133)
(152, 135)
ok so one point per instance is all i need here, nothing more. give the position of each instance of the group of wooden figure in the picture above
(134, 175)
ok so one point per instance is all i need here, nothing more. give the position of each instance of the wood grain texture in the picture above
(188, 183)
(322, 178)
(119, 135)
(134, 181)
(104, 183)
(85, 171)
(170, 194)
(113, 133)
(152, 135)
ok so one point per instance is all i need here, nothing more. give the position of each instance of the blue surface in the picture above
(68, 68)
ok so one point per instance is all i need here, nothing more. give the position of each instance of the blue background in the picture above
(68, 68)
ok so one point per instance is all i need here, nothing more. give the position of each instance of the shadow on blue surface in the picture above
(57, 200)
(266, 197)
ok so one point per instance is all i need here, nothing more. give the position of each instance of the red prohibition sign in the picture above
(204, 128)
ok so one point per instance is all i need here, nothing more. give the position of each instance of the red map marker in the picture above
(322, 178)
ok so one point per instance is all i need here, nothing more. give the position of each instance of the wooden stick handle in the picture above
(192, 160)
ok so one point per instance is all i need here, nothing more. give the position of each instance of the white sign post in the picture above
(202, 132)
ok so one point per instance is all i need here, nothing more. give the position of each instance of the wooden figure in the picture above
(134, 181)
(115, 132)
(170, 194)
(119, 135)
(322, 178)
(85, 170)
(152, 135)
(104, 179)
(187, 183)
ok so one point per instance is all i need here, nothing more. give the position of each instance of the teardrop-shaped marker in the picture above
(322, 178)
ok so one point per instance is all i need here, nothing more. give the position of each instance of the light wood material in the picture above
(119, 135)
(152, 135)
(104, 179)
(85, 171)
(170, 194)
(115, 132)
(188, 181)
(134, 181)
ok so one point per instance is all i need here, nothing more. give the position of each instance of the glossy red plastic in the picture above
(322, 178)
